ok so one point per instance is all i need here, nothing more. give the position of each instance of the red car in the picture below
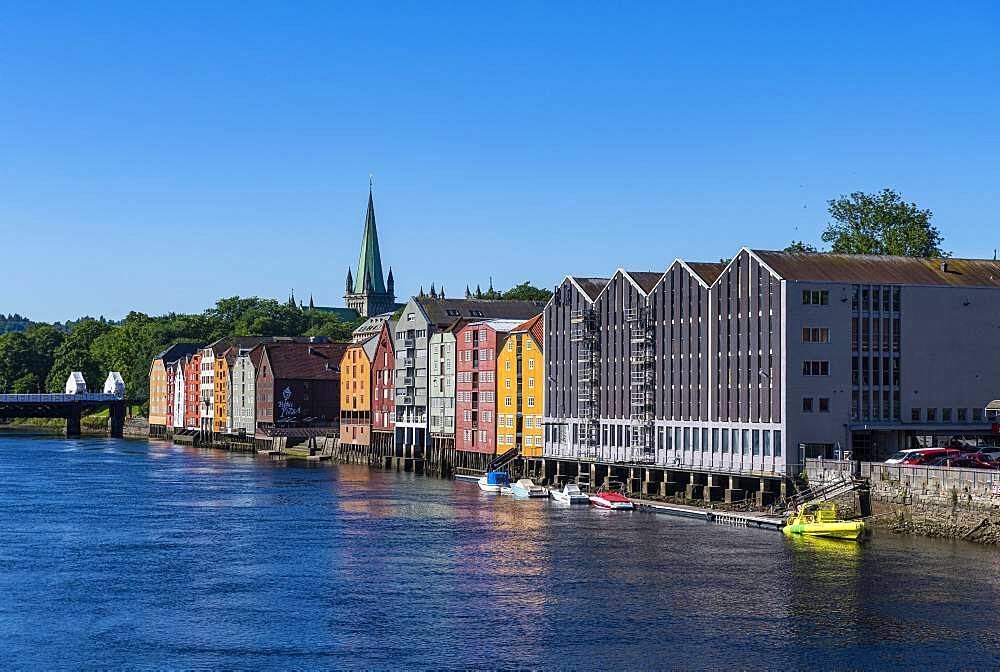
(923, 456)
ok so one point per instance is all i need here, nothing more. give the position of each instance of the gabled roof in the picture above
(177, 351)
(591, 287)
(220, 346)
(708, 271)
(302, 361)
(369, 277)
(502, 326)
(442, 312)
(880, 269)
(535, 326)
(646, 280)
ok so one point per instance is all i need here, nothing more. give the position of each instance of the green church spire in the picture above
(369, 277)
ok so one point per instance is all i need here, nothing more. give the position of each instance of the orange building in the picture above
(520, 385)
(220, 408)
(355, 393)
(158, 392)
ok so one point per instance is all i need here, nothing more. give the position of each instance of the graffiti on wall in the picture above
(287, 406)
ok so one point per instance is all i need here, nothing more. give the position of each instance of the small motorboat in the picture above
(570, 494)
(611, 496)
(525, 488)
(817, 519)
(494, 481)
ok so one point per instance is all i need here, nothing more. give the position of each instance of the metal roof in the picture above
(443, 312)
(645, 279)
(592, 286)
(708, 271)
(882, 270)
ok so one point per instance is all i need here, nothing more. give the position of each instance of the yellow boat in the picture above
(817, 519)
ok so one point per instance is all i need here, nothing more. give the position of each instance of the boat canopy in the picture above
(497, 478)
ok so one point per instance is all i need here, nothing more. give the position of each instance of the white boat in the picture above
(611, 496)
(570, 494)
(495, 481)
(526, 488)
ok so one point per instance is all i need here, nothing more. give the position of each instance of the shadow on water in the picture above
(132, 554)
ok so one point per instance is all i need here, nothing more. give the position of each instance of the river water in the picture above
(149, 555)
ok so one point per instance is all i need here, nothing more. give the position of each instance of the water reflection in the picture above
(162, 556)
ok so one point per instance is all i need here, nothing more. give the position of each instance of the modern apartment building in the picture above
(420, 319)
(520, 389)
(752, 365)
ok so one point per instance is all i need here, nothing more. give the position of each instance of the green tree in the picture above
(128, 349)
(881, 223)
(526, 292)
(16, 358)
(74, 355)
(29, 383)
(44, 340)
(801, 247)
(270, 318)
(333, 327)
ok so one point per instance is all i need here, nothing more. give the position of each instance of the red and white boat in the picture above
(610, 496)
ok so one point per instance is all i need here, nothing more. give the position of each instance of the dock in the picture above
(730, 518)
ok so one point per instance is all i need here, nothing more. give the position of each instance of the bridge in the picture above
(72, 407)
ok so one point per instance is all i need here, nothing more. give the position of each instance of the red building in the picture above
(476, 390)
(192, 391)
(384, 389)
(298, 385)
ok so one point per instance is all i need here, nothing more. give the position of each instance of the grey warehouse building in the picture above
(749, 367)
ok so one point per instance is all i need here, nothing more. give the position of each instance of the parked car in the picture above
(922, 455)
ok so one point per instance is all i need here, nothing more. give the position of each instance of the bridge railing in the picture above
(57, 398)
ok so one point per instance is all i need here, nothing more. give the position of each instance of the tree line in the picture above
(40, 357)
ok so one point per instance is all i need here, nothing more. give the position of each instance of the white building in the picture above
(75, 384)
(180, 385)
(114, 384)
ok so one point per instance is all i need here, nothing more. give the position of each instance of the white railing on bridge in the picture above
(56, 398)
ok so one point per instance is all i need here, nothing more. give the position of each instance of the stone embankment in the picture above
(928, 501)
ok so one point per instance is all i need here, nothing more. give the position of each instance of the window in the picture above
(527, 421)
(715, 439)
(815, 368)
(977, 414)
(506, 384)
(409, 317)
(962, 415)
(807, 404)
(531, 364)
(476, 313)
(945, 415)
(931, 415)
(510, 346)
(506, 401)
(451, 312)
(815, 335)
(815, 297)
(767, 442)
(756, 442)
(777, 443)
(725, 440)
(531, 383)
(531, 402)
(746, 441)
(507, 365)
(824, 404)
(468, 337)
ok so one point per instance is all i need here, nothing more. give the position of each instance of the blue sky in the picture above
(158, 156)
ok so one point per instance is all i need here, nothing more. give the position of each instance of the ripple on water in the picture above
(133, 554)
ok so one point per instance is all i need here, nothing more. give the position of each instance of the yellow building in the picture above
(158, 392)
(520, 385)
(355, 393)
(220, 405)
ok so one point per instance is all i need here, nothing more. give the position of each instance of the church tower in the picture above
(366, 289)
